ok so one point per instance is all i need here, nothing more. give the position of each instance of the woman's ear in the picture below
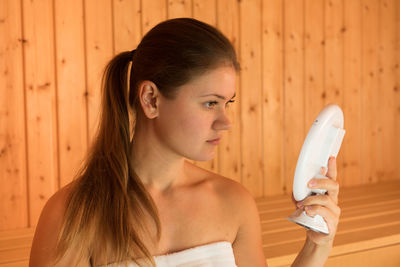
(149, 97)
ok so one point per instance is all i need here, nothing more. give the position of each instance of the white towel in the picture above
(215, 254)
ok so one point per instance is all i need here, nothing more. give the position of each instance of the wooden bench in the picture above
(15, 246)
(368, 233)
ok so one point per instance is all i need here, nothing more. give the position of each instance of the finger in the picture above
(331, 186)
(332, 171)
(320, 200)
(331, 218)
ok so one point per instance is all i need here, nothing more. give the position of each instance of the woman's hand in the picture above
(324, 205)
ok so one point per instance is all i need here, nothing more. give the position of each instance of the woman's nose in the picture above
(222, 122)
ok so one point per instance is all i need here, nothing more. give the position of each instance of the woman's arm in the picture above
(247, 246)
(46, 234)
(318, 246)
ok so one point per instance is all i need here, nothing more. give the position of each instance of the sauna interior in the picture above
(297, 56)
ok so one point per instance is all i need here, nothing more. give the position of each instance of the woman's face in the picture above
(192, 123)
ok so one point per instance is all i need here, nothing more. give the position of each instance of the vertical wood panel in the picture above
(272, 62)
(334, 52)
(388, 86)
(229, 153)
(350, 174)
(153, 12)
(294, 117)
(127, 25)
(370, 91)
(179, 8)
(205, 10)
(13, 195)
(41, 105)
(251, 96)
(314, 61)
(71, 99)
(396, 161)
(99, 50)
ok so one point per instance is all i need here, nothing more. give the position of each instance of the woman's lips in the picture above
(214, 141)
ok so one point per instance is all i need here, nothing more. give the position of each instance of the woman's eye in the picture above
(211, 104)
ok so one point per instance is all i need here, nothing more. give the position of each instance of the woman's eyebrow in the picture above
(219, 96)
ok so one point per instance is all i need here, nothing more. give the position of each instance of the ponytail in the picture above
(108, 204)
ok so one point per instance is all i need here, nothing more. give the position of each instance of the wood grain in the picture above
(296, 57)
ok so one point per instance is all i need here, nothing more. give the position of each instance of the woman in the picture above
(136, 199)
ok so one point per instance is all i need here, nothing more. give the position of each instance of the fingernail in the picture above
(300, 204)
(312, 183)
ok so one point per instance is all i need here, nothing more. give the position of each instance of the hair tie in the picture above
(132, 53)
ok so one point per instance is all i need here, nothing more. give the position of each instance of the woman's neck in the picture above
(158, 168)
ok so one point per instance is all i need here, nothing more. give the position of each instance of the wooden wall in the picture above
(297, 56)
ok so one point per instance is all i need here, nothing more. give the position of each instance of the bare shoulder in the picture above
(53, 211)
(233, 195)
(241, 208)
(247, 246)
(48, 228)
(232, 191)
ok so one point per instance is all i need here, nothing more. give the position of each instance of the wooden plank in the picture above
(314, 60)
(370, 92)
(99, 50)
(14, 255)
(349, 171)
(15, 264)
(205, 11)
(71, 91)
(387, 256)
(179, 8)
(388, 87)
(378, 237)
(396, 141)
(153, 12)
(251, 96)
(272, 108)
(294, 116)
(20, 232)
(15, 246)
(334, 53)
(367, 190)
(13, 178)
(383, 256)
(127, 25)
(41, 102)
(16, 242)
(229, 150)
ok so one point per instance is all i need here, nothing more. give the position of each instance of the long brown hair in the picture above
(109, 202)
